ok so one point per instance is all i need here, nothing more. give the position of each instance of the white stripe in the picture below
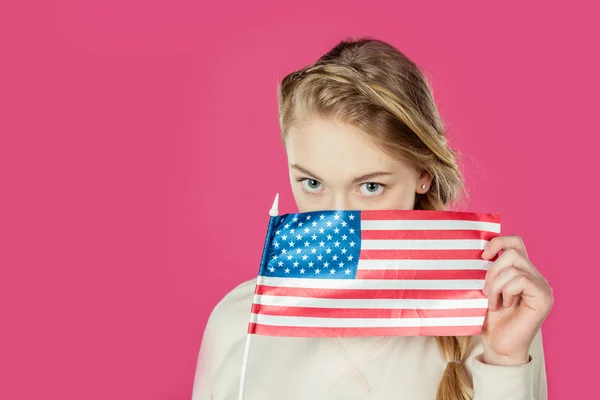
(363, 322)
(429, 224)
(460, 284)
(424, 264)
(385, 244)
(291, 301)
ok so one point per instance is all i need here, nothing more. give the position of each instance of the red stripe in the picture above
(268, 330)
(421, 274)
(427, 215)
(421, 254)
(370, 293)
(427, 234)
(365, 312)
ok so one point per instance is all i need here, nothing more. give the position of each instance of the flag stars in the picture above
(332, 271)
(348, 271)
(352, 244)
(334, 258)
(287, 270)
(344, 237)
(314, 251)
(328, 251)
(317, 271)
(351, 216)
(295, 219)
(271, 269)
(322, 217)
(284, 251)
(321, 230)
(308, 217)
(329, 237)
(344, 224)
(300, 224)
(321, 244)
(314, 223)
(336, 230)
(326, 264)
(337, 244)
(280, 263)
(289, 257)
(319, 257)
(305, 257)
(306, 244)
(295, 264)
(342, 264)
(336, 217)
(284, 237)
(306, 230)
(314, 237)
(310, 264)
(291, 244)
(350, 258)
(328, 223)
(343, 251)
(274, 257)
(287, 226)
(302, 270)
(292, 231)
(276, 244)
(298, 251)
(351, 230)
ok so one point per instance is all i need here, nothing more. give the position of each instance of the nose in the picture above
(341, 202)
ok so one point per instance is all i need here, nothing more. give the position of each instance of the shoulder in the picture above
(228, 321)
(224, 337)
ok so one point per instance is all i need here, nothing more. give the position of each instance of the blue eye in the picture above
(311, 185)
(371, 188)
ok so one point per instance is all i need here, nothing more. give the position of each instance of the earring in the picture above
(423, 186)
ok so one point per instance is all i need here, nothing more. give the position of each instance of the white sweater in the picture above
(285, 368)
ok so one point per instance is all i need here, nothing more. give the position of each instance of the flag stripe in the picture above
(378, 303)
(417, 245)
(421, 215)
(427, 234)
(418, 225)
(423, 264)
(267, 330)
(369, 293)
(363, 322)
(421, 274)
(421, 254)
(382, 284)
(366, 312)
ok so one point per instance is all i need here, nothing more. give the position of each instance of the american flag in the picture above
(373, 273)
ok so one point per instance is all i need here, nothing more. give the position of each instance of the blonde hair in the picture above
(369, 84)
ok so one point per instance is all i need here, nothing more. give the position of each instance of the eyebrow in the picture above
(355, 180)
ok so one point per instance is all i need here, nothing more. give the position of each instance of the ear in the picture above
(424, 183)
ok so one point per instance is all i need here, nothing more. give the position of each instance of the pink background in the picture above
(132, 201)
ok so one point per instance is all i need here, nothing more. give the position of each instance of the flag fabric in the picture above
(373, 273)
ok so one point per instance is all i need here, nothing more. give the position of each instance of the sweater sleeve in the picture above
(521, 382)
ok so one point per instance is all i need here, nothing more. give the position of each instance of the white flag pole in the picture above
(274, 212)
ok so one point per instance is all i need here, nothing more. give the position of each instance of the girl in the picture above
(361, 131)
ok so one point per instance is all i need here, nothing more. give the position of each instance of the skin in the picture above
(336, 166)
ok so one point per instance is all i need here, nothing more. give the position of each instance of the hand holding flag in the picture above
(520, 300)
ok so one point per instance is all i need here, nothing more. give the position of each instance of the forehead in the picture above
(333, 149)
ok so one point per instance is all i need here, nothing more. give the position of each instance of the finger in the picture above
(500, 243)
(520, 286)
(496, 287)
(510, 258)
